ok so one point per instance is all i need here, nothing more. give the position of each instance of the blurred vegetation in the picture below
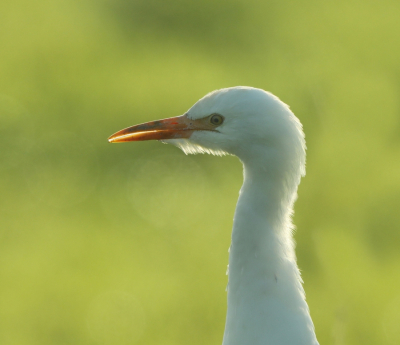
(125, 244)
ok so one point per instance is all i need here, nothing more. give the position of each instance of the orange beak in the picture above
(171, 128)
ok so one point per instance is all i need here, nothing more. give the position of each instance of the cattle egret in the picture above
(266, 300)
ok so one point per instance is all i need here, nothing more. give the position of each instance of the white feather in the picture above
(190, 148)
(266, 300)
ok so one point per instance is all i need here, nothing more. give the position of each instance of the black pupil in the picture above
(215, 119)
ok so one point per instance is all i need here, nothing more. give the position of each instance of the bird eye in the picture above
(216, 119)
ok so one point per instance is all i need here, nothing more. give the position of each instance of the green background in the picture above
(127, 244)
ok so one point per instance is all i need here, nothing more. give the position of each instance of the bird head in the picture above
(242, 121)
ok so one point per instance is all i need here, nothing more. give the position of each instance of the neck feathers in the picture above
(266, 301)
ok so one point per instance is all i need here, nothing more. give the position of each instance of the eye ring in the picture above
(216, 119)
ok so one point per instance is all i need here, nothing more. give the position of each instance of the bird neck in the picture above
(266, 302)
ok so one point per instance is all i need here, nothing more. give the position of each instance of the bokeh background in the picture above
(127, 244)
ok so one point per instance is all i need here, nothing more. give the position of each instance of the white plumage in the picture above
(266, 301)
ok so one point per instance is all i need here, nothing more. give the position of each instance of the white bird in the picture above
(266, 300)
